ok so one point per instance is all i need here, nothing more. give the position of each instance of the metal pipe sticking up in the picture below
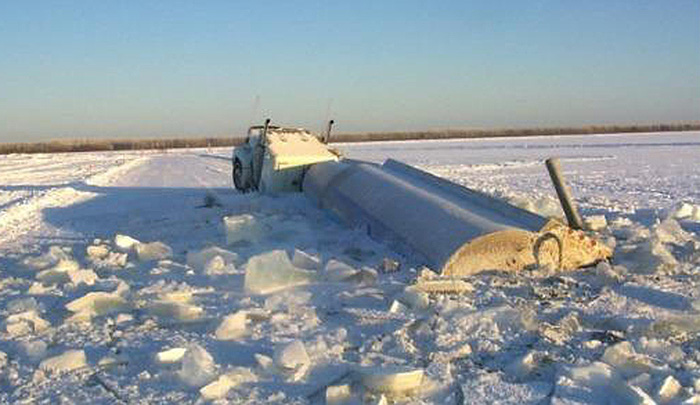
(327, 138)
(567, 203)
(259, 153)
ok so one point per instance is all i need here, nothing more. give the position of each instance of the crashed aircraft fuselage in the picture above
(453, 229)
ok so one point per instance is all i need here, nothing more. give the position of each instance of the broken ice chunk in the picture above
(661, 349)
(292, 359)
(670, 231)
(390, 265)
(60, 273)
(38, 288)
(336, 270)
(22, 305)
(630, 394)
(381, 400)
(642, 381)
(25, 323)
(102, 256)
(391, 379)
(368, 276)
(676, 324)
(217, 389)
(216, 265)
(153, 251)
(173, 355)
(273, 271)
(50, 258)
(183, 296)
(232, 327)
(96, 304)
(221, 386)
(338, 394)
(212, 260)
(305, 260)
(686, 211)
(198, 366)
(265, 362)
(595, 222)
(107, 362)
(668, 389)
(176, 311)
(626, 360)
(87, 277)
(34, 349)
(414, 298)
(115, 259)
(522, 366)
(242, 228)
(97, 252)
(606, 274)
(125, 243)
(69, 360)
(398, 308)
(596, 374)
(650, 256)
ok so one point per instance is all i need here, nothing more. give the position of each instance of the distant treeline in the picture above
(86, 145)
(510, 132)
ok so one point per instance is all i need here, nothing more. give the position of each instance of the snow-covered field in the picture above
(244, 298)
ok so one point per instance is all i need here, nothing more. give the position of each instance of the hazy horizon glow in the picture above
(86, 69)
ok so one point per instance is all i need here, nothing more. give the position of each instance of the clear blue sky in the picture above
(182, 68)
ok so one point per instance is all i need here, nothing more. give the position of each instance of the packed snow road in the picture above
(145, 278)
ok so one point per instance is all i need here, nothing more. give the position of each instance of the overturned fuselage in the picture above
(456, 231)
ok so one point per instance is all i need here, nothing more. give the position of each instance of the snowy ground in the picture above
(87, 317)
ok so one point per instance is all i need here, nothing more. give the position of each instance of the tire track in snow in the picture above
(18, 220)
